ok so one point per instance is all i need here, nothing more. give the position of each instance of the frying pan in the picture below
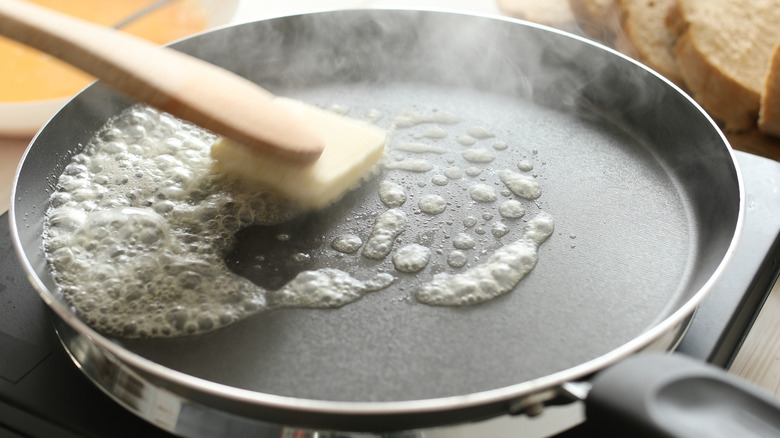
(644, 190)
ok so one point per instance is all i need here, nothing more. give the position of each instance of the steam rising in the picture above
(460, 51)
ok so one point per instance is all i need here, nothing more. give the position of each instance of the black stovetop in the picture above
(43, 394)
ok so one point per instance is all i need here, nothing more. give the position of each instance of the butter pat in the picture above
(352, 148)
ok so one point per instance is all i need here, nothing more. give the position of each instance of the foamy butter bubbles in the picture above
(120, 233)
(478, 155)
(483, 193)
(522, 185)
(141, 224)
(432, 204)
(409, 118)
(411, 258)
(320, 288)
(468, 172)
(392, 194)
(347, 243)
(386, 228)
(511, 209)
(497, 276)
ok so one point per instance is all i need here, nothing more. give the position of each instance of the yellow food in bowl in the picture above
(29, 75)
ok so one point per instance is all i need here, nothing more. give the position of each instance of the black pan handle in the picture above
(669, 395)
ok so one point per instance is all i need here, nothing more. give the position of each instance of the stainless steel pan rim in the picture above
(507, 400)
(498, 401)
(502, 396)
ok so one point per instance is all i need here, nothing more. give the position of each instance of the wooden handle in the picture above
(171, 81)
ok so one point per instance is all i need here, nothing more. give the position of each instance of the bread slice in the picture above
(553, 13)
(646, 38)
(675, 23)
(723, 53)
(769, 113)
(599, 19)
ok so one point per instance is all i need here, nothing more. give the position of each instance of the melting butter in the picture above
(387, 227)
(392, 194)
(432, 204)
(521, 185)
(497, 276)
(410, 118)
(141, 221)
(483, 193)
(411, 258)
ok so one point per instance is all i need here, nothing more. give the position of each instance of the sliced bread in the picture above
(554, 13)
(646, 38)
(599, 19)
(723, 53)
(769, 114)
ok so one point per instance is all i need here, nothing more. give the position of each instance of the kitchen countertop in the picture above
(759, 357)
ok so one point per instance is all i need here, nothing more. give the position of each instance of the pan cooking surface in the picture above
(641, 222)
(615, 210)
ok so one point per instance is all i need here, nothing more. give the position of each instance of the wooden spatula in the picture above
(166, 79)
(284, 141)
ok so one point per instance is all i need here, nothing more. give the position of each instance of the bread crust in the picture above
(719, 93)
(674, 21)
(723, 54)
(599, 19)
(712, 40)
(554, 13)
(769, 113)
(646, 37)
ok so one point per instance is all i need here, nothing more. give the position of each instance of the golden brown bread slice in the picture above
(719, 89)
(599, 19)
(723, 52)
(675, 23)
(646, 38)
(769, 113)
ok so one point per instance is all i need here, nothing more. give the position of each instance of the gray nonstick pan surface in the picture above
(643, 190)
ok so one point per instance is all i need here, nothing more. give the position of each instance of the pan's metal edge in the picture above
(486, 403)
